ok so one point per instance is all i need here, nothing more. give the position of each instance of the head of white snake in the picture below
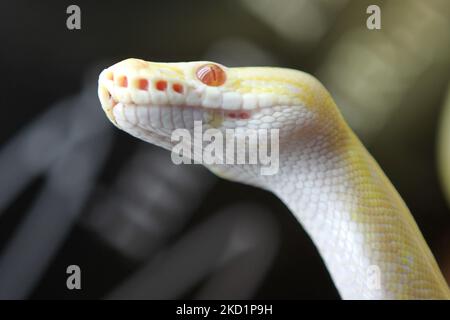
(327, 178)
(150, 100)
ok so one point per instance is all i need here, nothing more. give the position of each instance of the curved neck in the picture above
(364, 232)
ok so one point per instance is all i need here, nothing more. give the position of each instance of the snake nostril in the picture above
(122, 81)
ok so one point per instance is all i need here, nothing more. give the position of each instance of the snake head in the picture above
(151, 100)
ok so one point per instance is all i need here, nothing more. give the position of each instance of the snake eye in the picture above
(211, 75)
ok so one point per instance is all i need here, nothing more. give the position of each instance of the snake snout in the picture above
(105, 93)
(131, 82)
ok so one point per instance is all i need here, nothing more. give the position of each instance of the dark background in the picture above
(42, 62)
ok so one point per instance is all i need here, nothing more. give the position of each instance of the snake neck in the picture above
(366, 235)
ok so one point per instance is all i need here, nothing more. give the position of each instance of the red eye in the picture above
(211, 75)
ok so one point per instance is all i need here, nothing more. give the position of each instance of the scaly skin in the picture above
(364, 232)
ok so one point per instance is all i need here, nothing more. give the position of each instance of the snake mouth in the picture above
(136, 85)
(178, 116)
(108, 102)
(143, 87)
(119, 92)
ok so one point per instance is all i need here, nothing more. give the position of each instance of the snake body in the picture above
(360, 225)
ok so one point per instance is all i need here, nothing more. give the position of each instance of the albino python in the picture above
(363, 230)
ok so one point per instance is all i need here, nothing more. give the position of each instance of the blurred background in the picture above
(76, 191)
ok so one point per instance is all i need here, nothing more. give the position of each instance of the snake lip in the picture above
(132, 87)
(107, 102)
